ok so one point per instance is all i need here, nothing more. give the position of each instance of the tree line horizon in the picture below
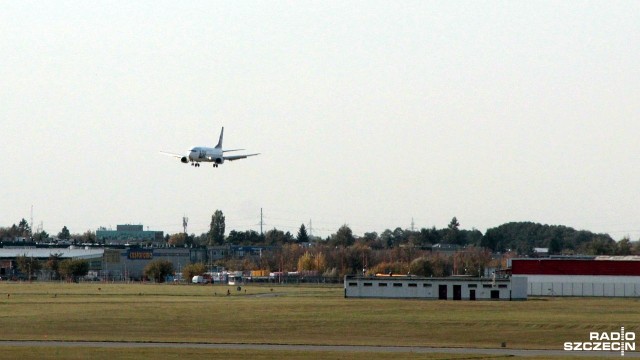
(399, 251)
(520, 237)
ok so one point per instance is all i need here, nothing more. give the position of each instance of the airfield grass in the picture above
(316, 315)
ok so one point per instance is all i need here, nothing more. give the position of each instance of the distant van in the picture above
(198, 279)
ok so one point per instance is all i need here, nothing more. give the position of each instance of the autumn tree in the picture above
(191, 270)
(158, 270)
(395, 267)
(472, 261)
(442, 266)
(305, 262)
(320, 262)
(421, 266)
(216, 229)
(53, 264)
(344, 237)
(284, 258)
(623, 247)
(177, 239)
(28, 265)
(73, 269)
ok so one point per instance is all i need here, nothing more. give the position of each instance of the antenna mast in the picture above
(185, 220)
(261, 223)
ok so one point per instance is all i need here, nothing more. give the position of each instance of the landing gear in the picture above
(215, 165)
(195, 164)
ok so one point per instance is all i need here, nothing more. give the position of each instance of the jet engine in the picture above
(219, 160)
(184, 159)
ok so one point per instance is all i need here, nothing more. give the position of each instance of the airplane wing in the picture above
(171, 154)
(238, 157)
(224, 151)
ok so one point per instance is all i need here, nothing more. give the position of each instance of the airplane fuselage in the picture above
(206, 154)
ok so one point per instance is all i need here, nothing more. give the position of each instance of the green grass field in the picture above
(292, 315)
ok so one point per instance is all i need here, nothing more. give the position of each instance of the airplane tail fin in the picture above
(219, 146)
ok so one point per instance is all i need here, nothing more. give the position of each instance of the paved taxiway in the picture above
(334, 348)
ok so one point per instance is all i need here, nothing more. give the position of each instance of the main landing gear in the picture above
(215, 165)
(195, 164)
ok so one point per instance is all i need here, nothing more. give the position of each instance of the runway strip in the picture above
(334, 348)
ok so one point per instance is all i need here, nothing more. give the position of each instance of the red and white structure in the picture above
(607, 276)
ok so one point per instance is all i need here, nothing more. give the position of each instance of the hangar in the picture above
(449, 288)
(107, 263)
(606, 276)
(8, 257)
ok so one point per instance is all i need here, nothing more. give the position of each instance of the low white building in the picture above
(450, 288)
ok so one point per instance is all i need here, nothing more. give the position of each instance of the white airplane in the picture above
(206, 154)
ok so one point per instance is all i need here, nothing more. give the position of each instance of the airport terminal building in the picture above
(129, 263)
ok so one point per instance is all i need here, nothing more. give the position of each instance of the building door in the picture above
(495, 294)
(442, 292)
(472, 294)
(457, 292)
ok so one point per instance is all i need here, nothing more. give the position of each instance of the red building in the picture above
(596, 276)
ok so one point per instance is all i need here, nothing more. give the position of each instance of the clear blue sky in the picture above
(366, 113)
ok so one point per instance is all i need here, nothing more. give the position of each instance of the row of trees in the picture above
(359, 258)
(324, 261)
(74, 269)
(23, 230)
(70, 269)
(521, 237)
